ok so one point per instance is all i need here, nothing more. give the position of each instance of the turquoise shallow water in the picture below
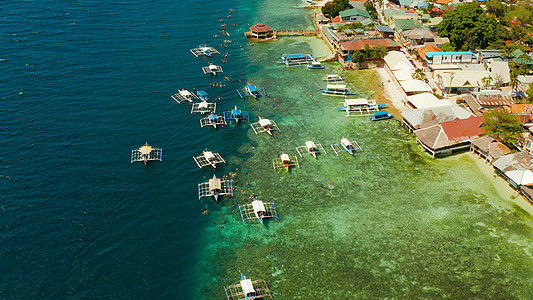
(84, 83)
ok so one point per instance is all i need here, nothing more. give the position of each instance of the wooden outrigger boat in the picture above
(213, 120)
(208, 158)
(382, 115)
(360, 107)
(202, 95)
(258, 210)
(215, 188)
(285, 161)
(333, 78)
(146, 153)
(184, 95)
(213, 69)
(346, 146)
(247, 289)
(264, 125)
(296, 59)
(310, 148)
(203, 107)
(237, 115)
(315, 65)
(204, 50)
(251, 90)
(337, 90)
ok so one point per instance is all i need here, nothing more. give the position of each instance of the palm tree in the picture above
(418, 74)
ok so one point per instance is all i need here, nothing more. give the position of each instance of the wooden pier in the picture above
(286, 33)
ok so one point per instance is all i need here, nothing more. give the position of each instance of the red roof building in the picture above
(460, 128)
(261, 31)
(427, 48)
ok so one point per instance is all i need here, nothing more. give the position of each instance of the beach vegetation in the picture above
(355, 25)
(468, 27)
(447, 47)
(369, 6)
(529, 93)
(370, 53)
(418, 74)
(333, 8)
(503, 124)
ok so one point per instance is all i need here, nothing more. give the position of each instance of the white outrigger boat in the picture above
(310, 148)
(203, 107)
(213, 69)
(361, 107)
(146, 153)
(215, 188)
(184, 95)
(346, 146)
(264, 125)
(333, 78)
(237, 115)
(247, 289)
(285, 161)
(204, 50)
(315, 65)
(208, 158)
(213, 120)
(337, 90)
(251, 90)
(258, 210)
(296, 59)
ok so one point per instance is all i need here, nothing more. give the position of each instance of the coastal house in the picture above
(261, 31)
(354, 15)
(459, 81)
(396, 60)
(436, 12)
(346, 49)
(385, 31)
(489, 148)
(522, 58)
(472, 104)
(528, 142)
(331, 39)
(499, 72)
(514, 161)
(418, 36)
(358, 4)
(447, 137)
(415, 119)
(485, 55)
(451, 57)
(425, 100)
(492, 98)
(425, 49)
(401, 25)
(523, 111)
(433, 23)
(414, 86)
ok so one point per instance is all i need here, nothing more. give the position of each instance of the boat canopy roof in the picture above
(203, 104)
(336, 86)
(360, 101)
(264, 122)
(285, 157)
(258, 205)
(213, 117)
(201, 93)
(252, 88)
(310, 144)
(209, 155)
(295, 56)
(247, 286)
(381, 114)
(185, 93)
(215, 184)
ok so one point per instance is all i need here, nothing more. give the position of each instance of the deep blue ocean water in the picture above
(84, 83)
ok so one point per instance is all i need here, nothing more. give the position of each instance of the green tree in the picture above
(468, 27)
(371, 10)
(418, 74)
(333, 8)
(376, 52)
(502, 124)
(358, 56)
(447, 47)
(486, 81)
(529, 92)
(496, 7)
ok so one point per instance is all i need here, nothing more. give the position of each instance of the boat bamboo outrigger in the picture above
(310, 148)
(213, 120)
(208, 158)
(184, 95)
(333, 78)
(237, 115)
(203, 107)
(264, 125)
(285, 161)
(204, 50)
(361, 107)
(247, 289)
(346, 146)
(337, 90)
(146, 153)
(202, 95)
(215, 188)
(296, 59)
(258, 210)
(213, 69)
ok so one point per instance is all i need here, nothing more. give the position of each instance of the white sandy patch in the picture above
(392, 91)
